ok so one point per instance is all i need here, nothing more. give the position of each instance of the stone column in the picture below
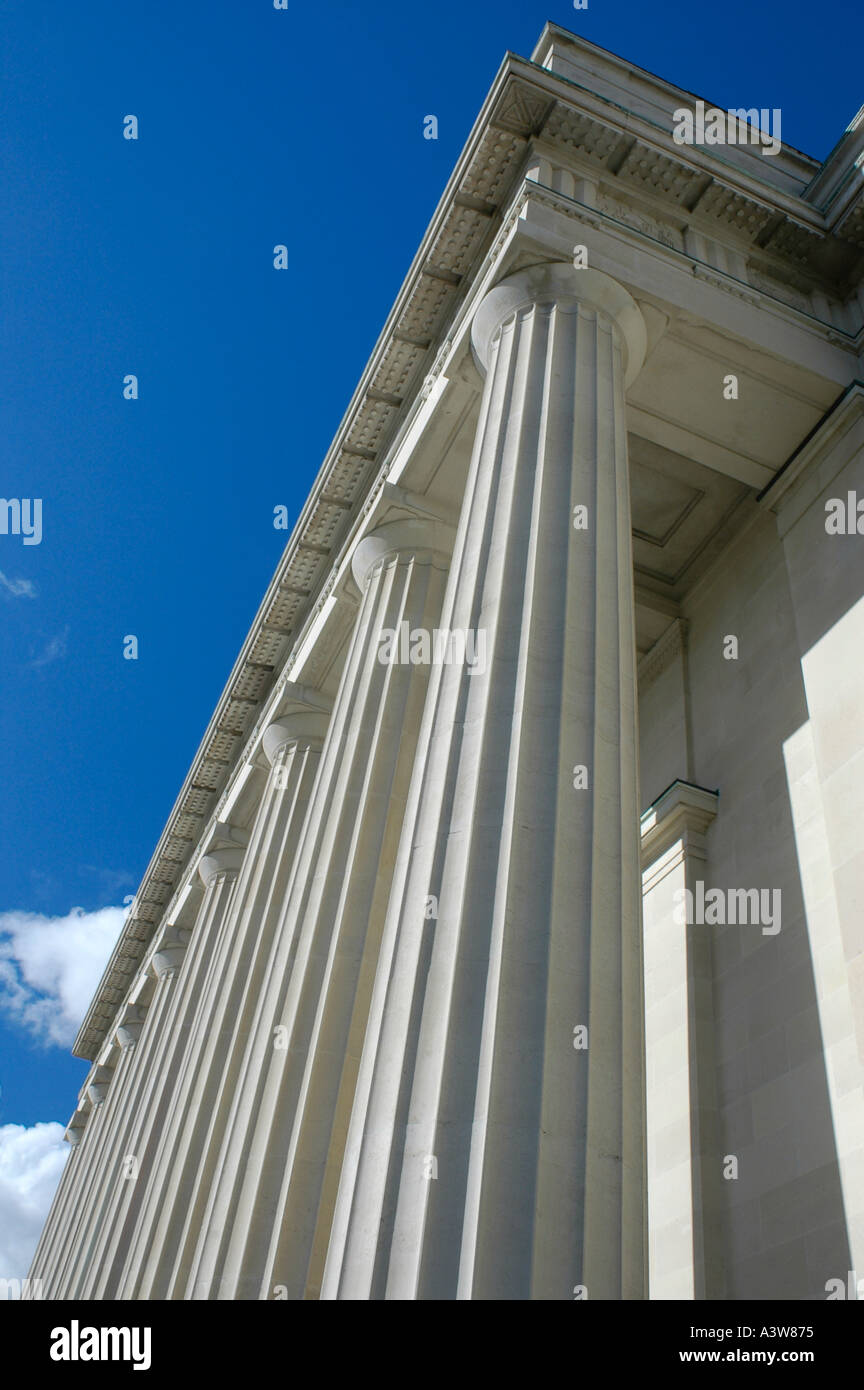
(114, 1155)
(43, 1265)
(65, 1259)
(489, 1157)
(158, 1057)
(279, 1172)
(292, 746)
(49, 1259)
(171, 1075)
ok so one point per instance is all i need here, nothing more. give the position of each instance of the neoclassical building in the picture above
(506, 940)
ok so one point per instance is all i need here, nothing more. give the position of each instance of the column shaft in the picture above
(98, 1196)
(139, 1135)
(65, 1255)
(172, 1085)
(294, 745)
(487, 1157)
(276, 1199)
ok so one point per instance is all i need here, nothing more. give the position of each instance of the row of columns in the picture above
(358, 1078)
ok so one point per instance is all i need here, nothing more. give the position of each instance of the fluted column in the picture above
(156, 1057)
(177, 967)
(56, 1249)
(283, 1162)
(192, 1020)
(114, 1153)
(191, 976)
(66, 1255)
(494, 1151)
(292, 745)
(43, 1264)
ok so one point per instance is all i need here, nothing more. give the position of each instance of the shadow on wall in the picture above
(782, 1228)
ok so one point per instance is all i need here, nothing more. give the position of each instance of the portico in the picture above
(362, 1099)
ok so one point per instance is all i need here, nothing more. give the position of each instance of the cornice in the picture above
(683, 810)
(525, 101)
(822, 442)
(637, 80)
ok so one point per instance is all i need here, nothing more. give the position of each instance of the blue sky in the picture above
(154, 257)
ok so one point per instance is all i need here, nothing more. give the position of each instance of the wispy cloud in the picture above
(50, 967)
(53, 650)
(110, 881)
(16, 588)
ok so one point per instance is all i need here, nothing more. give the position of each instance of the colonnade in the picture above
(400, 1053)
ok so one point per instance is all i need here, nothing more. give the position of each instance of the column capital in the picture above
(74, 1131)
(129, 1024)
(306, 726)
(97, 1085)
(170, 949)
(219, 861)
(561, 284)
(414, 535)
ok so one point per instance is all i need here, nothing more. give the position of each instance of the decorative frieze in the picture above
(641, 221)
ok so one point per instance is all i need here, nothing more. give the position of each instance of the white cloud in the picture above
(50, 967)
(31, 1161)
(53, 650)
(16, 588)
